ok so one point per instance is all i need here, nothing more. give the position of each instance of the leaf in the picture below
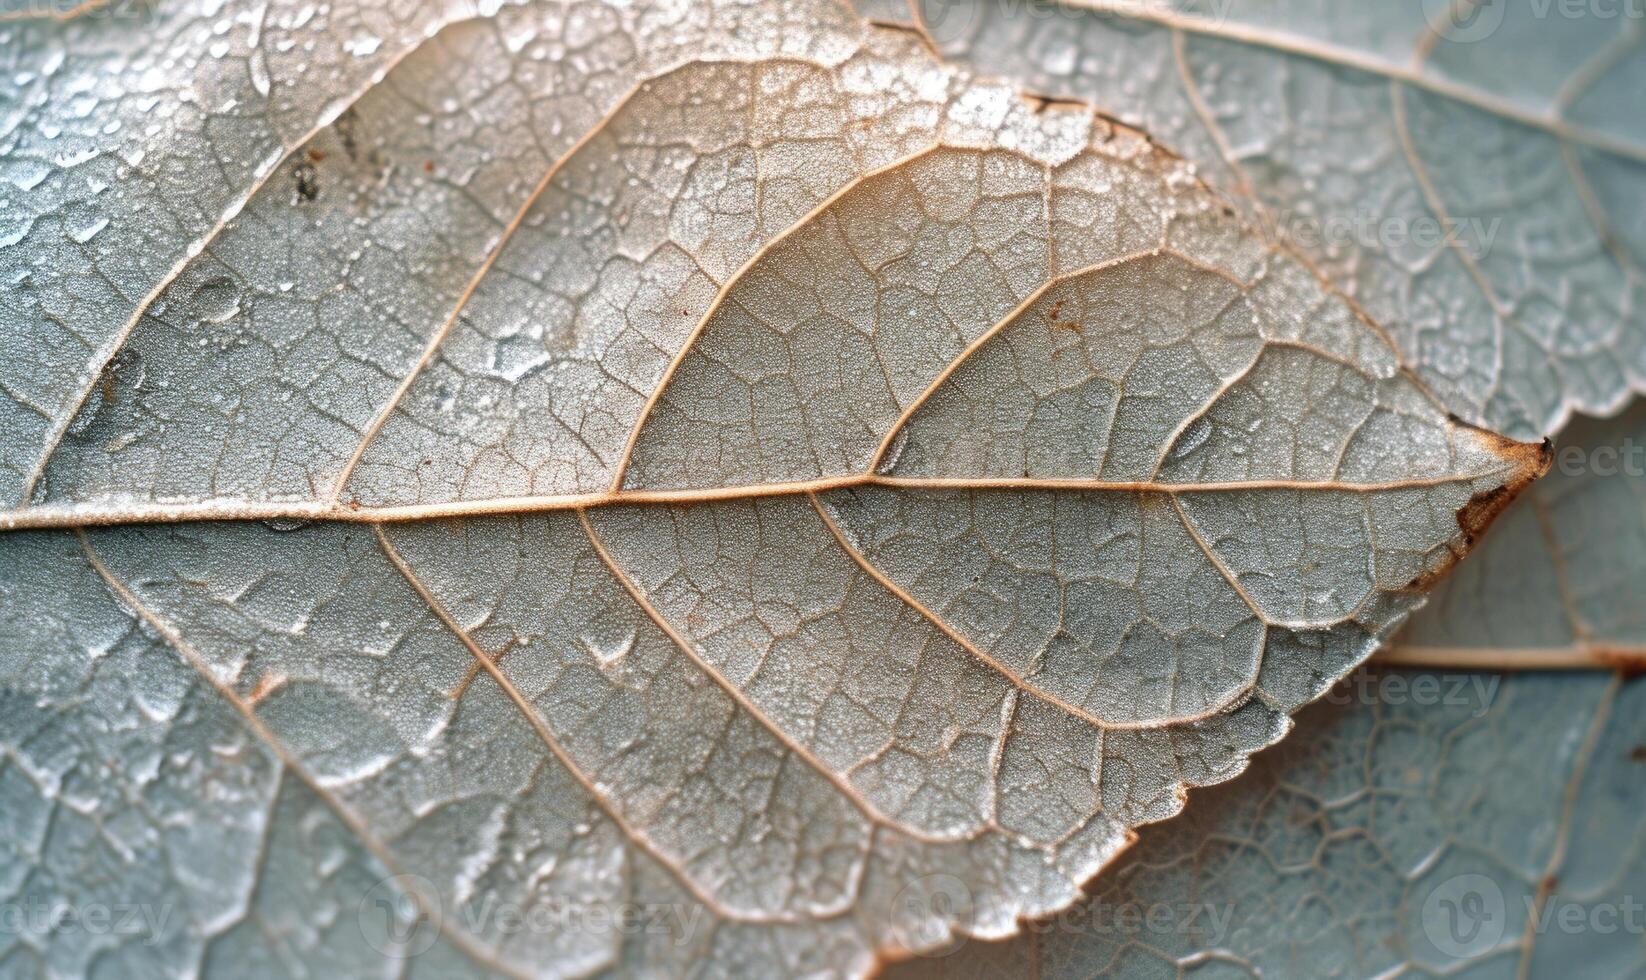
(770, 479)
(1558, 585)
(131, 133)
(1475, 189)
(1333, 853)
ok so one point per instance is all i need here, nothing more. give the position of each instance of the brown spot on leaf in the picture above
(1040, 102)
(306, 182)
(1638, 753)
(1532, 460)
(1630, 662)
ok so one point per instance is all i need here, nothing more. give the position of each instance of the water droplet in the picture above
(608, 651)
(1192, 438)
(217, 300)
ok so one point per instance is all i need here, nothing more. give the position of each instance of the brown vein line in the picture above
(943, 627)
(1563, 833)
(1581, 656)
(287, 759)
(113, 345)
(1581, 81)
(1557, 561)
(1605, 230)
(480, 274)
(82, 515)
(873, 571)
(1220, 139)
(1280, 247)
(552, 743)
(56, 16)
(994, 330)
(1597, 66)
(1228, 576)
(804, 221)
(1168, 489)
(1226, 385)
(1431, 196)
(1334, 54)
(1430, 37)
(869, 811)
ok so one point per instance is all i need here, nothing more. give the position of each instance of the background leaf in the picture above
(1476, 189)
(883, 492)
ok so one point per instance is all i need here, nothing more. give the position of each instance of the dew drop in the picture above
(1192, 438)
(217, 300)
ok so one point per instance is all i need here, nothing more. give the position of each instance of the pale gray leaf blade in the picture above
(812, 497)
(1428, 823)
(1509, 771)
(1470, 178)
(151, 832)
(133, 132)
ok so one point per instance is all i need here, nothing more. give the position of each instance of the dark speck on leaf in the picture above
(307, 181)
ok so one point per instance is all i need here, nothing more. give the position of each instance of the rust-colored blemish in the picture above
(1628, 661)
(315, 155)
(1040, 103)
(1531, 461)
(1638, 753)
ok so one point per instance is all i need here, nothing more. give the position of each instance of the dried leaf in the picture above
(767, 476)
(1472, 175)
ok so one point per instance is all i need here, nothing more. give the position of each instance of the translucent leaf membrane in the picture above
(1338, 852)
(130, 134)
(1474, 182)
(1433, 823)
(773, 484)
(1560, 584)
